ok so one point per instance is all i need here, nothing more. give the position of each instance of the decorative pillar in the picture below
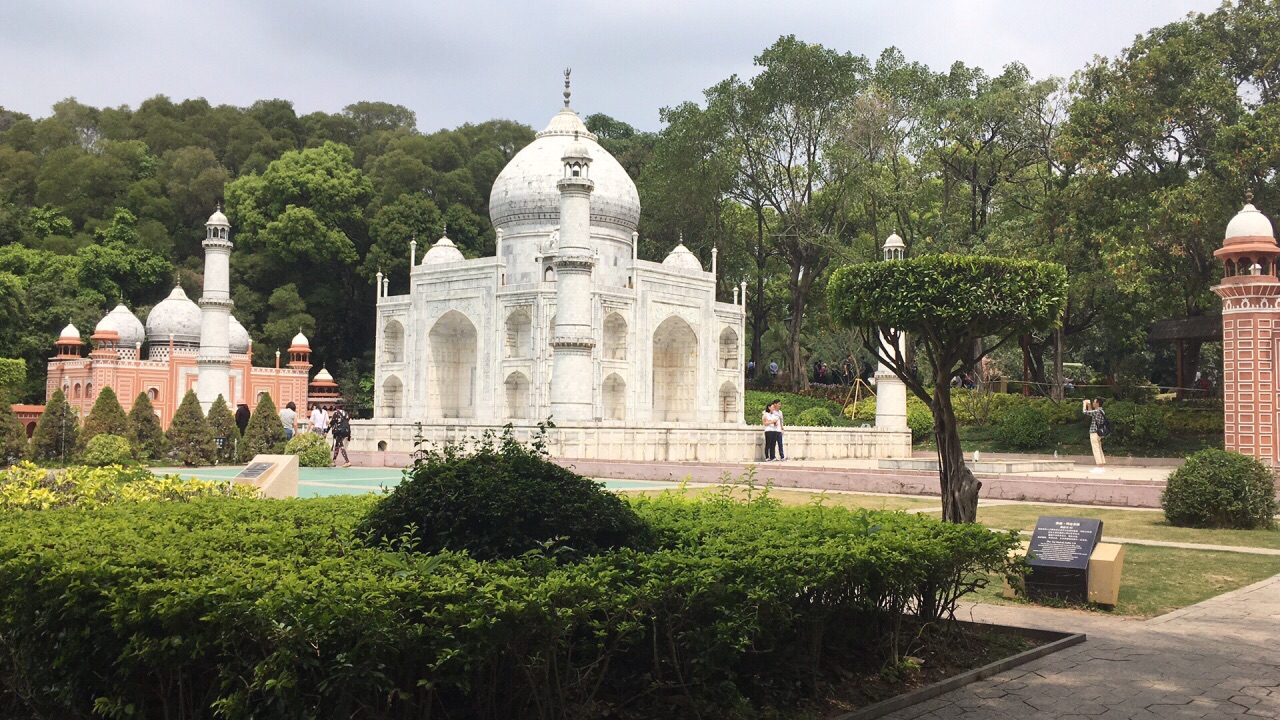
(214, 361)
(572, 341)
(413, 253)
(891, 392)
(1250, 293)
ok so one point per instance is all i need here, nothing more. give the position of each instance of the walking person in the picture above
(242, 418)
(340, 426)
(771, 418)
(319, 420)
(289, 418)
(1099, 427)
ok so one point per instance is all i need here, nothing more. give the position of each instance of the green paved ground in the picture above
(322, 482)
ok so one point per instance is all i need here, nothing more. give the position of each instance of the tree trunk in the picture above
(1059, 380)
(801, 282)
(959, 486)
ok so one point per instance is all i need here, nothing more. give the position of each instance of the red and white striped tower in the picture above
(1250, 293)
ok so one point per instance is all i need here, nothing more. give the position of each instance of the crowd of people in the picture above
(327, 421)
(841, 373)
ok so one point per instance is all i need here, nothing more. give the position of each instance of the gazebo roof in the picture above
(1198, 328)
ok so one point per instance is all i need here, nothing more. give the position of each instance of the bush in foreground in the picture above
(1025, 428)
(106, 449)
(228, 607)
(501, 499)
(1220, 489)
(311, 449)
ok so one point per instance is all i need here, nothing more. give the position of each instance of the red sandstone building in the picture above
(1250, 293)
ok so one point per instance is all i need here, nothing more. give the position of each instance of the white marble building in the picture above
(565, 322)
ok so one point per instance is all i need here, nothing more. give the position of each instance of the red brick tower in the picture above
(1250, 293)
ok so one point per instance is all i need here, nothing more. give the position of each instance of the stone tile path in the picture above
(1217, 659)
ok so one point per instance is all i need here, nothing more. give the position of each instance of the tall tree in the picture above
(145, 434)
(106, 417)
(189, 436)
(57, 433)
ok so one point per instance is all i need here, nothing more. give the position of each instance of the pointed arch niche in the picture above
(519, 335)
(615, 337)
(729, 410)
(393, 342)
(614, 393)
(451, 348)
(517, 390)
(675, 371)
(392, 398)
(729, 349)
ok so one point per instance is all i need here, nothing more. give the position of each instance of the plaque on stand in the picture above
(1059, 557)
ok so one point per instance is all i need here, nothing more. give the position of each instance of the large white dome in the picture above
(237, 337)
(125, 324)
(525, 191)
(176, 315)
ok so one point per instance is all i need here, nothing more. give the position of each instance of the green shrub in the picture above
(223, 425)
(792, 407)
(240, 609)
(311, 449)
(501, 499)
(1190, 420)
(57, 433)
(189, 436)
(815, 417)
(920, 420)
(145, 434)
(1024, 428)
(265, 432)
(1140, 426)
(106, 449)
(13, 436)
(27, 487)
(1220, 489)
(13, 376)
(106, 417)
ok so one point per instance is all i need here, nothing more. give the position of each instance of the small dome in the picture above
(444, 251)
(238, 337)
(894, 242)
(1249, 223)
(576, 151)
(125, 324)
(322, 377)
(300, 340)
(217, 218)
(175, 316)
(69, 333)
(682, 259)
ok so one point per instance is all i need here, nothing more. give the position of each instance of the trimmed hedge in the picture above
(1220, 489)
(257, 608)
(1024, 428)
(815, 417)
(104, 449)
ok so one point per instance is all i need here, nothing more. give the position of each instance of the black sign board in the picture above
(254, 470)
(1059, 557)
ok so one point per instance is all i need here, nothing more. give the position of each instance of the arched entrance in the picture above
(451, 347)
(675, 371)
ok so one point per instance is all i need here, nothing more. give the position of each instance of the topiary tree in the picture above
(107, 449)
(189, 435)
(13, 437)
(265, 433)
(58, 432)
(500, 500)
(1220, 489)
(145, 433)
(947, 304)
(223, 424)
(106, 417)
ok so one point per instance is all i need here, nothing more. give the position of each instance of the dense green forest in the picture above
(1126, 172)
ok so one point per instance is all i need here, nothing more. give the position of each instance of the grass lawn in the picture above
(1157, 580)
(1135, 524)
(1073, 439)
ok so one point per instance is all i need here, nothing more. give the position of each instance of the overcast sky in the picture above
(473, 60)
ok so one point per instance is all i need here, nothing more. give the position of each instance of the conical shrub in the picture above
(106, 417)
(13, 437)
(265, 433)
(223, 424)
(145, 433)
(58, 432)
(190, 437)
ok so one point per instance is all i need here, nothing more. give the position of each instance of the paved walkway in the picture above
(1217, 659)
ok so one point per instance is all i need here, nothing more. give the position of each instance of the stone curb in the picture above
(894, 704)
(1190, 609)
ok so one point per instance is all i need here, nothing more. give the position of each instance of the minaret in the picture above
(891, 393)
(1250, 292)
(572, 340)
(214, 361)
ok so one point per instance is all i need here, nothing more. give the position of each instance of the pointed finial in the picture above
(566, 86)
(681, 237)
(446, 230)
(1248, 196)
(219, 206)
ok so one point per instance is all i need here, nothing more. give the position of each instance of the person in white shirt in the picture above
(771, 418)
(289, 418)
(319, 420)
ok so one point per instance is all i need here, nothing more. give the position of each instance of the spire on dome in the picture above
(566, 86)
